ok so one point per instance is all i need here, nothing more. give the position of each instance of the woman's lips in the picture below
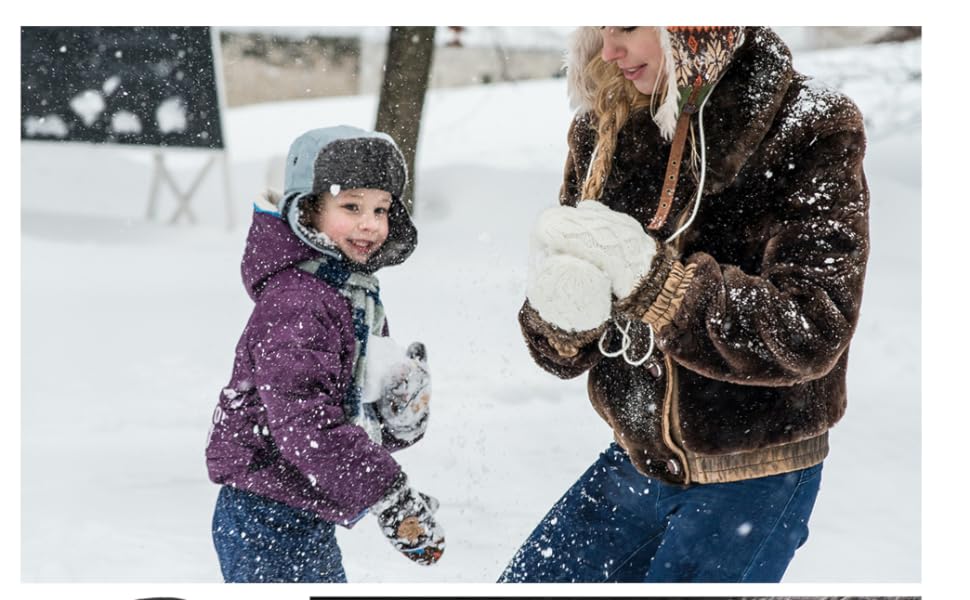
(635, 73)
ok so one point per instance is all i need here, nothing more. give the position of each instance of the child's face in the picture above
(356, 221)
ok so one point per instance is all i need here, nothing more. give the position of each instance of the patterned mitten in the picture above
(612, 241)
(404, 404)
(406, 518)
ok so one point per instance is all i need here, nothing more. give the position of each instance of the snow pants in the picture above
(259, 540)
(617, 525)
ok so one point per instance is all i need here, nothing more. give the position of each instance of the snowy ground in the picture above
(128, 329)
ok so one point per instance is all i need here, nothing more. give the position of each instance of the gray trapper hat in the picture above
(349, 158)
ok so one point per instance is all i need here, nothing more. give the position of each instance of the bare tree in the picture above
(407, 71)
(901, 34)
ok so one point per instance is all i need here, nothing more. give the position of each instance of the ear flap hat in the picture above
(344, 157)
(695, 58)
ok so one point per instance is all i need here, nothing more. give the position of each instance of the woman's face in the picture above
(636, 51)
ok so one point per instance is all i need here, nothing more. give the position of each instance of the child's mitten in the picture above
(404, 405)
(406, 518)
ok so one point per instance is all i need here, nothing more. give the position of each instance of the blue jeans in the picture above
(615, 524)
(259, 540)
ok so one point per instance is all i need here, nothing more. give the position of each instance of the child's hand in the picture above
(404, 404)
(406, 518)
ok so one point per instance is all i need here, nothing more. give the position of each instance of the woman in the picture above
(712, 302)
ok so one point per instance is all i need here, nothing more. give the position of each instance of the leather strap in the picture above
(674, 162)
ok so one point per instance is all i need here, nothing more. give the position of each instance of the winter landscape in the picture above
(129, 325)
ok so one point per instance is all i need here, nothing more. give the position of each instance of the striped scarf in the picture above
(363, 291)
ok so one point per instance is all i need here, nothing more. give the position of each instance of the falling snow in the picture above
(110, 85)
(501, 424)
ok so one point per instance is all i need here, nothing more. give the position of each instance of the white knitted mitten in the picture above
(613, 241)
(570, 293)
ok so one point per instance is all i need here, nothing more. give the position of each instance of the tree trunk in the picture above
(901, 34)
(406, 74)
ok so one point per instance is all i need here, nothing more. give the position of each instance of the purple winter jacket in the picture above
(279, 429)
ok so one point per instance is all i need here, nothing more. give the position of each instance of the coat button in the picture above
(673, 466)
(654, 369)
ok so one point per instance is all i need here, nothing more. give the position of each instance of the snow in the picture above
(129, 326)
(88, 105)
(110, 85)
(171, 115)
(50, 125)
(125, 121)
(385, 358)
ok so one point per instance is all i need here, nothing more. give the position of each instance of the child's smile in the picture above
(361, 249)
(356, 220)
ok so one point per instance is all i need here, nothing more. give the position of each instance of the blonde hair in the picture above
(616, 98)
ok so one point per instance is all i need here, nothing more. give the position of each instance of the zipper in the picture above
(671, 423)
(668, 426)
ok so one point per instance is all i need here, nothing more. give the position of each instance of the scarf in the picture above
(363, 291)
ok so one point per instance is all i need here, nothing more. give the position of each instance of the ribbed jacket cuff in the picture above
(565, 343)
(657, 297)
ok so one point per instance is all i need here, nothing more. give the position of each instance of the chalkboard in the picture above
(153, 86)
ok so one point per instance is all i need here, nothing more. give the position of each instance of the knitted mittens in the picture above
(580, 258)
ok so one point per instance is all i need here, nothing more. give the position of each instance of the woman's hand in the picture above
(612, 241)
(568, 292)
(564, 350)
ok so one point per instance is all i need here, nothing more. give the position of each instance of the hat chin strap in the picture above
(674, 162)
(697, 52)
(700, 181)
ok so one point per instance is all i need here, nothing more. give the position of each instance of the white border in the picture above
(944, 396)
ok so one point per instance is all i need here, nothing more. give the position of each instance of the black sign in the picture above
(151, 86)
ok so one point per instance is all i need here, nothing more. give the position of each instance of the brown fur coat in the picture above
(755, 304)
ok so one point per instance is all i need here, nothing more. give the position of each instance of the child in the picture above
(295, 442)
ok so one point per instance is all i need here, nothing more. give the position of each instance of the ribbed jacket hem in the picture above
(763, 462)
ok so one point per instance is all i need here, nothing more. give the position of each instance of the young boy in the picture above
(294, 442)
